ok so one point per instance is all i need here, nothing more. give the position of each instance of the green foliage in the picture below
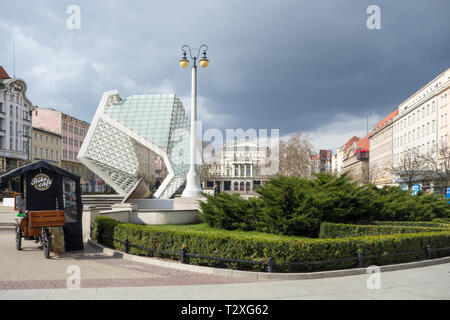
(294, 206)
(230, 212)
(230, 245)
(401, 206)
(103, 230)
(436, 223)
(341, 230)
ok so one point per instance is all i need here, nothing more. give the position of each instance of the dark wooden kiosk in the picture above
(51, 197)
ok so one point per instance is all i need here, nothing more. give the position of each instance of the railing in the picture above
(270, 262)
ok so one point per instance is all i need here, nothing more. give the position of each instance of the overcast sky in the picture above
(308, 65)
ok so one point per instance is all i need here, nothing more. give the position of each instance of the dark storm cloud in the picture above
(293, 65)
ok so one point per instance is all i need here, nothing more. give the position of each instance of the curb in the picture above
(263, 275)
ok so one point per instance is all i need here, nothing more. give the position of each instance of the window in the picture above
(41, 152)
(57, 155)
(428, 128)
(41, 137)
(64, 153)
(46, 138)
(35, 151)
(51, 154)
(433, 126)
(46, 153)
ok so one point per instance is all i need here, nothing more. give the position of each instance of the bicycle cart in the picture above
(35, 225)
(46, 197)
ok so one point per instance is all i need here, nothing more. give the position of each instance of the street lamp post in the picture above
(193, 188)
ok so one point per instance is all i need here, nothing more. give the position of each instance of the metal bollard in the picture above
(182, 255)
(127, 245)
(360, 260)
(270, 265)
(428, 252)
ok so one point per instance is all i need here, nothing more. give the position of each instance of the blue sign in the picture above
(447, 195)
(415, 189)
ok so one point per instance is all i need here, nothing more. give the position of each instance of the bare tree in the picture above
(410, 168)
(295, 156)
(437, 166)
(374, 174)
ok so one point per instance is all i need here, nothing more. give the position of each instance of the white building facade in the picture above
(239, 169)
(15, 122)
(416, 126)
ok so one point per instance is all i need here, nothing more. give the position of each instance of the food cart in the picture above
(48, 197)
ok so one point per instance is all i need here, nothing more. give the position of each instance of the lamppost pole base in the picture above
(193, 188)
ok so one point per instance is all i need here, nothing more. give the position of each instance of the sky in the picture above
(302, 65)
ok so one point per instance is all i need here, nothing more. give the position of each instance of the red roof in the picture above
(364, 144)
(387, 119)
(4, 74)
(350, 142)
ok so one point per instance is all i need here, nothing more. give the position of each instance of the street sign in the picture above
(415, 189)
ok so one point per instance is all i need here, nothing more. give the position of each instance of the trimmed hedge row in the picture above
(330, 230)
(413, 223)
(281, 251)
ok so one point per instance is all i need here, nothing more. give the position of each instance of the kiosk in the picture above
(51, 197)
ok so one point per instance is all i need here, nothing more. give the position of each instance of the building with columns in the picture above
(239, 168)
(15, 122)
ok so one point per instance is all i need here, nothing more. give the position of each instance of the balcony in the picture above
(362, 155)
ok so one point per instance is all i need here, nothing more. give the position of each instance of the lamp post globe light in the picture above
(193, 188)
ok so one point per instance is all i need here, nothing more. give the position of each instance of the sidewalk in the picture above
(422, 283)
(7, 214)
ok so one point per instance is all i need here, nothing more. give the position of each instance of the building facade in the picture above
(337, 162)
(46, 145)
(72, 132)
(15, 122)
(239, 168)
(322, 162)
(443, 107)
(356, 158)
(380, 162)
(421, 125)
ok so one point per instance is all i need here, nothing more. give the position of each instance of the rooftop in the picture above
(4, 74)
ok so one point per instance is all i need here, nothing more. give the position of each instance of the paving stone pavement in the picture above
(27, 274)
(28, 269)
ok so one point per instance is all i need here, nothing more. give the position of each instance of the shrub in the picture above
(435, 224)
(296, 206)
(103, 230)
(399, 205)
(340, 230)
(282, 251)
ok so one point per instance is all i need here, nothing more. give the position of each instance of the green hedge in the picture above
(282, 251)
(341, 230)
(412, 223)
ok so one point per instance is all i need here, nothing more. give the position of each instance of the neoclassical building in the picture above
(239, 168)
(15, 122)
